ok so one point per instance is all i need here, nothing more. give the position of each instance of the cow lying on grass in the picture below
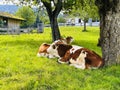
(66, 52)
(43, 48)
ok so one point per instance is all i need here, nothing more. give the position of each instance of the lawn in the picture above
(21, 69)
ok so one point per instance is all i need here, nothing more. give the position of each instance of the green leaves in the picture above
(86, 9)
(26, 13)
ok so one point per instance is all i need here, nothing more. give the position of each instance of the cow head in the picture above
(52, 50)
(69, 40)
(42, 51)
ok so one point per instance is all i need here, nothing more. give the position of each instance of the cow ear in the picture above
(53, 46)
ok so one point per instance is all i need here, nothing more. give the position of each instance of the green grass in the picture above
(20, 69)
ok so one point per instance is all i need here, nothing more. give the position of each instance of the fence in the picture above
(39, 29)
(15, 30)
(9, 31)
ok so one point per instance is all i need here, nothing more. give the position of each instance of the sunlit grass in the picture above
(20, 69)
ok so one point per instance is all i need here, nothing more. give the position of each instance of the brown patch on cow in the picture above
(62, 49)
(69, 39)
(66, 57)
(53, 46)
(43, 48)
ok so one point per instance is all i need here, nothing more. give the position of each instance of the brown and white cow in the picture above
(43, 47)
(66, 52)
(92, 60)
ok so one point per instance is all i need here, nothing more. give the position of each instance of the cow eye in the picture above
(53, 46)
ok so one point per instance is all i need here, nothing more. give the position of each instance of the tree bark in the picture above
(53, 14)
(84, 30)
(54, 26)
(109, 11)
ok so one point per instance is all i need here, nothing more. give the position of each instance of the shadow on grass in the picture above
(36, 43)
(31, 43)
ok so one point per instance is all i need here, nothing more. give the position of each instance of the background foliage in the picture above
(28, 14)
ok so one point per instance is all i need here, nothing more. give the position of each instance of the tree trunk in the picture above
(109, 11)
(53, 14)
(84, 30)
(55, 29)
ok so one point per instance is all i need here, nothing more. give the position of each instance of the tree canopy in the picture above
(87, 9)
(28, 14)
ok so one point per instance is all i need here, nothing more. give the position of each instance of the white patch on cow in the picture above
(42, 54)
(74, 48)
(51, 56)
(64, 41)
(78, 66)
(52, 51)
(80, 61)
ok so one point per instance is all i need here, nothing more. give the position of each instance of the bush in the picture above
(45, 19)
(61, 20)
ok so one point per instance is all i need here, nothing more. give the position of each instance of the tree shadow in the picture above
(31, 43)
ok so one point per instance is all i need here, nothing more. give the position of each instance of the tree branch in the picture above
(48, 7)
(58, 8)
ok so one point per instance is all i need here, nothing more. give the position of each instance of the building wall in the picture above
(14, 24)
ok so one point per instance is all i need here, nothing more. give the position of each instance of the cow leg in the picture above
(62, 60)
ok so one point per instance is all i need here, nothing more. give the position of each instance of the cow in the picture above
(43, 47)
(66, 52)
(92, 60)
(80, 61)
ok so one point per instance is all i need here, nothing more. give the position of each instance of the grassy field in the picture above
(21, 69)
